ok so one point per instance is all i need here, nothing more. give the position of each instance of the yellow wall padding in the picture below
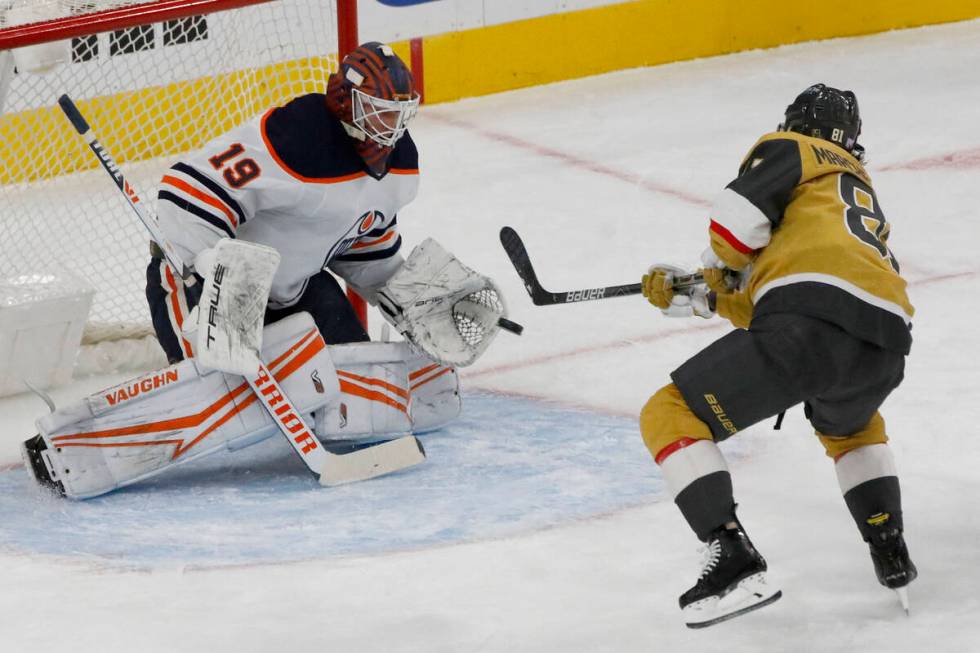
(150, 122)
(649, 32)
(39, 144)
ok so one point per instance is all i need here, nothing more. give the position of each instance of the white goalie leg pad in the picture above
(387, 389)
(143, 427)
(435, 394)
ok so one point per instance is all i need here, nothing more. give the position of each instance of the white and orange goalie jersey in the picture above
(291, 179)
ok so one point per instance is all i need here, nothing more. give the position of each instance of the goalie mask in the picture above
(374, 95)
(827, 113)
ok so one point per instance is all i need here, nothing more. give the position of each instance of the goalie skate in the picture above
(32, 451)
(733, 581)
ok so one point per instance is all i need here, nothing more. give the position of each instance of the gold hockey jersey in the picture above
(803, 214)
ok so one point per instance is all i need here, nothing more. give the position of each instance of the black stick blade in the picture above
(517, 254)
(522, 263)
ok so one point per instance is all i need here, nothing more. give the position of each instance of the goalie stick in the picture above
(332, 469)
(517, 253)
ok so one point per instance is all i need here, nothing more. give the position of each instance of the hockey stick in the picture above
(332, 469)
(517, 253)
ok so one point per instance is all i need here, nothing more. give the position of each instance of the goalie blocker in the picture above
(142, 428)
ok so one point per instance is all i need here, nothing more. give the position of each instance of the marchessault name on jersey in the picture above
(803, 212)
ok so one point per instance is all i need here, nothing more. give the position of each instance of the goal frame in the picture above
(65, 28)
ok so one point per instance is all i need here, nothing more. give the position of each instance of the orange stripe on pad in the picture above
(288, 352)
(186, 422)
(425, 370)
(207, 198)
(307, 353)
(304, 356)
(375, 382)
(357, 391)
(432, 378)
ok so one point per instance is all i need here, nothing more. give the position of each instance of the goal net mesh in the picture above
(150, 92)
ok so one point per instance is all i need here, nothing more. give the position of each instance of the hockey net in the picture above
(155, 79)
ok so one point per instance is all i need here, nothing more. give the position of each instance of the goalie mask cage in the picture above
(155, 79)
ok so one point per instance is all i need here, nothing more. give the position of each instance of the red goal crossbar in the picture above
(97, 21)
(155, 11)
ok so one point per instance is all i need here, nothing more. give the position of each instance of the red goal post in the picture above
(157, 79)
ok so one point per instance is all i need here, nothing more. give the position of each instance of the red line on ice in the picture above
(594, 349)
(573, 160)
(624, 343)
(961, 160)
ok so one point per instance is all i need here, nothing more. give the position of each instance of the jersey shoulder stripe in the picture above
(768, 175)
(198, 194)
(216, 189)
(185, 205)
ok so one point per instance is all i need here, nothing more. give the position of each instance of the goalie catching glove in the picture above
(442, 307)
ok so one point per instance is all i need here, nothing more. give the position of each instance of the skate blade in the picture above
(750, 594)
(903, 597)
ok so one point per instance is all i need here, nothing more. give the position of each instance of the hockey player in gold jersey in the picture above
(799, 261)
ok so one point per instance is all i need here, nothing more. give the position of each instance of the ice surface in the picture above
(602, 177)
(523, 464)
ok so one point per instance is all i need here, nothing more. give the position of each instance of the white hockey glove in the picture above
(442, 307)
(688, 305)
(682, 302)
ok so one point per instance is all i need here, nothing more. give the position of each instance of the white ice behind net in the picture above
(150, 93)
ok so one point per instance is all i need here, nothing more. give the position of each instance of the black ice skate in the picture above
(733, 581)
(890, 556)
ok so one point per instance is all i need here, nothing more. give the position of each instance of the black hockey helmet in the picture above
(828, 113)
